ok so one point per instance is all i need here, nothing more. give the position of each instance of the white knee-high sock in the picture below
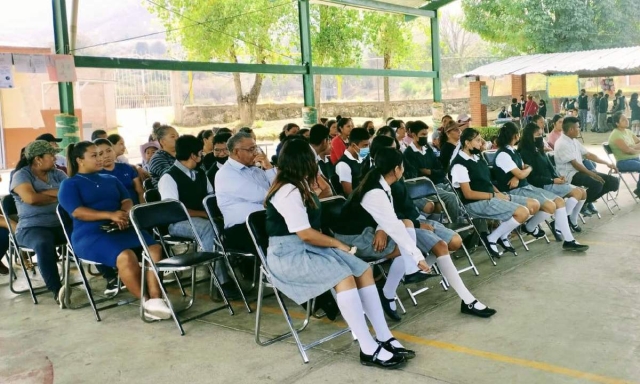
(562, 224)
(570, 204)
(373, 310)
(449, 270)
(537, 219)
(353, 313)
(576, 211)
(504, 228)
(410, 265)
(396, 273)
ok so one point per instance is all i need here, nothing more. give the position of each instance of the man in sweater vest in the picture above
(348, 168)
(187, 182)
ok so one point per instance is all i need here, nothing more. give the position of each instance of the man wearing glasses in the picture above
(241, 188)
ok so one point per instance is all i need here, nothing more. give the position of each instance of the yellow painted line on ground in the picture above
(545, 367)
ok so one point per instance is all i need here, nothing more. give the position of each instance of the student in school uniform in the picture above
(471, 178)
(304, 263)
(511, 177)
(348, 167)
(432, 238)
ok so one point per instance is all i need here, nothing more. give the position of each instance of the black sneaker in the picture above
(574, 227)
(537, 232)
(574, 246)
(592, 208)
(112, 287)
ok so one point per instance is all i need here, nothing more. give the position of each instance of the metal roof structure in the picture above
(594, 63)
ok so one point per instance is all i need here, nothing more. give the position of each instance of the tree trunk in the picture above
(317, 93)
(387, 98)
(247, 101)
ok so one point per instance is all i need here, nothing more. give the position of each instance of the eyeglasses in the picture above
(220, 150)
(250, 150)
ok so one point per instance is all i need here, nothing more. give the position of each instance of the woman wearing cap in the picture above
(35, 189)
(147, 150)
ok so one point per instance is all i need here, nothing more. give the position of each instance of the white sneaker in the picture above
(156, 308)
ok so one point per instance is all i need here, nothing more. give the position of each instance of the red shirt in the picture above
(531, 108)
(337, 149)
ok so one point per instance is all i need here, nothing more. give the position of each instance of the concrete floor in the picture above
(562, 318)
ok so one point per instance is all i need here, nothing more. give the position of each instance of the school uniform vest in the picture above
(479, 176)
(356, 170)
(277, 226)
(502, 177)
(190, 192)
(353, 218)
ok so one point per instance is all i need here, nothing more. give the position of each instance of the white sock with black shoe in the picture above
(449, 270)
(395, 275)
(353, 313)
(503, 229)
(410, 265)
(538, 218)
(576, 212)
(373, 310)
(562, 224)
(570, 204)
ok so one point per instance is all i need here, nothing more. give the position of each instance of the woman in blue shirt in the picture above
(93, 200)
(123, 172)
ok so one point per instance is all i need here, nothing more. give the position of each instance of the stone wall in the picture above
(197, 115)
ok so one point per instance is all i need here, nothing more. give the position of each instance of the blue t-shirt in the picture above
(91, 190)
(36, 215)
(126, 175)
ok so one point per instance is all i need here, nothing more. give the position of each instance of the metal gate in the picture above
(139, 88)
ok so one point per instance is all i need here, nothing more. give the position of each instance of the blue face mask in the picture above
(364, 152)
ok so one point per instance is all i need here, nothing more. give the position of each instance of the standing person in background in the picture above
(339, 142)
(542, 111)
(515, 109)
(593, 111)
(530, 109)
(635, 114)
(603, 107)
(620, 102)
(583, 109)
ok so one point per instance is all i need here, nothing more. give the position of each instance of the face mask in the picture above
(422, 141)
(539, 141)
(364, 152)
(221, 160)
(475, 151)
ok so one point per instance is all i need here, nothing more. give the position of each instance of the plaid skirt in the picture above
(535, 193)
(303, 271)
(496, 209)
(561, 190)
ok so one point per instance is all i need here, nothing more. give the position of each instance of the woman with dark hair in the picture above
(118, 147)
(340, 142)
(34, 187)
(542, 111)
(206, 137)
(400, 130)
(333, 128)
(370, 127)
(304, 132)
(449, 148)
(289, 129)
(163, 159)
(95, 200)
(511, 175)
(634, 106)
(555, 134)
(625, 146)
(305, 263)
(471, 178)
(543, 175)
(123, 172)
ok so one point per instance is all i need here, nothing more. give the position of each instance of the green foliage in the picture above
(389, 36)
(534, 26)
(336, 36)
(487, 132)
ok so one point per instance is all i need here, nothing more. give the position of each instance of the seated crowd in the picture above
(529, 181)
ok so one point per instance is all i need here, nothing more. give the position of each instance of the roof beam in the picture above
(434, 5)
(373, 5)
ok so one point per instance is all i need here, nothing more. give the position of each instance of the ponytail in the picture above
(23, 161)
(76, 151)
(506, 134)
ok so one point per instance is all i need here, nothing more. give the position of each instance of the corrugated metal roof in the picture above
(595, 63)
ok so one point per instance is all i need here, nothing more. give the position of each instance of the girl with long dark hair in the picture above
(305, 263)
(125, 173)
(340, 142)
(289, 129)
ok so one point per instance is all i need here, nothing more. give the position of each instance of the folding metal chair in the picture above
(9, 211)
(147, 184)
(256, 224)
(607, 150)
(148, 217)
(67, 227)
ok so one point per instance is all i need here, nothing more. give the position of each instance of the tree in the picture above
(390, 37)
(231, 31)
(535, 26)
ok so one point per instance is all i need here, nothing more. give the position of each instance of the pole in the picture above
(435, 58)
(305, 48)
(61, 33)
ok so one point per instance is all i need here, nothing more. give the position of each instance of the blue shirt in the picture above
(241, 190)
(126, 175)
(36, 215)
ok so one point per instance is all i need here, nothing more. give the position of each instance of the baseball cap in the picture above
(39, 148)
(48, 138)
(151, 144)
(463, 118)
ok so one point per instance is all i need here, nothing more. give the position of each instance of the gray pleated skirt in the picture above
(303, 271)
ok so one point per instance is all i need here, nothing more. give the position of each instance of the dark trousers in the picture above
(595, 189)
(43, 241)
(237, 238)
(4, 243)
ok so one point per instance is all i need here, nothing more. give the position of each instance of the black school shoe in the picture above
(406, 353)
(395, 362)
(490, 246)
(507, 246)
(537, 232)
(418, 277)
(392, 314)
(574, 246)
(554, 231)
(574, 227)
(470, 309)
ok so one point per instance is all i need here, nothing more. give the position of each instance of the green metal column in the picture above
(435, 58)
(305, 48)
(61, 33)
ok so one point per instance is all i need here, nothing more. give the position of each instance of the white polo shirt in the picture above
(567, 149)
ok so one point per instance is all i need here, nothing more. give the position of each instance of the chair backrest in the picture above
(210, 204)
(420, 187)
(152, 195)
(148, 216)
(337, 186)
(67, 224)
(331, 211)
(490, 157)
(9, 211)
(607, 149)
(257, 226)
(147, 184)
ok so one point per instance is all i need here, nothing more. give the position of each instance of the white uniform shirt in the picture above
(567, 149)
(288, 202)
(168, 187)
(343, 170)
(459, 173)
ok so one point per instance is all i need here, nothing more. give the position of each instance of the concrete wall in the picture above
(197, 115)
